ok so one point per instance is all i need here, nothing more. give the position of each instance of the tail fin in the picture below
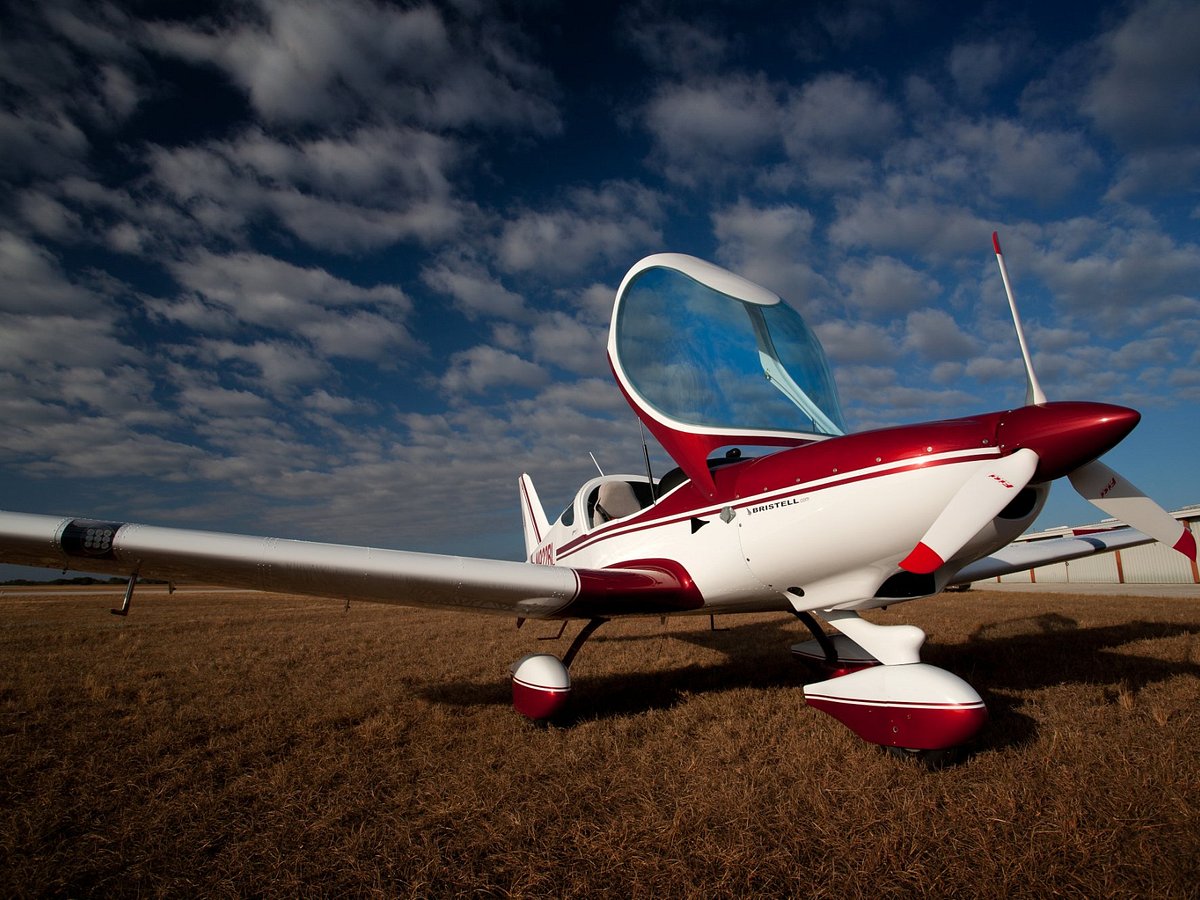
(533, 517)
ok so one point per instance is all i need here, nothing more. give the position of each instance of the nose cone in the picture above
(1065, 435)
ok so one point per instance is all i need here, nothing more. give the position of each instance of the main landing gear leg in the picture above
(541, 684)
(901, 702)
(130, 585)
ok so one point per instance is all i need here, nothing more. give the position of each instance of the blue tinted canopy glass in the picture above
(705, 358)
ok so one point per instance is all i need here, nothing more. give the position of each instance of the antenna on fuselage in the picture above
(598, 469)
(646, 456)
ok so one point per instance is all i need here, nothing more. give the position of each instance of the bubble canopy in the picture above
(702, 352)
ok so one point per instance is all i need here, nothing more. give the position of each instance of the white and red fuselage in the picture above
(825, 524)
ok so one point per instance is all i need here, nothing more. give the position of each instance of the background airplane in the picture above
(765, 512)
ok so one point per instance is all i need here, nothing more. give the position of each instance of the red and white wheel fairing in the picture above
(541, 686)
(916, 706)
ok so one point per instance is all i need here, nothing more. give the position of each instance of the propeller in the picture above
(977, 502)
(1033, 392)
(1047, 440)
(1102, 487)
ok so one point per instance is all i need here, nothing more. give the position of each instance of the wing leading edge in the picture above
(345, 572)
(1031, 554)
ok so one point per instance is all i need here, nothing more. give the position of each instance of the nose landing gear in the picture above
(879, 689)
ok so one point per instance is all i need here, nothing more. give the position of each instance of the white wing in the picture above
(1031, 554)
(337, 570)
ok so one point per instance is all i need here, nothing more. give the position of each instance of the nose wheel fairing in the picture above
(883, 693)
(915, 706)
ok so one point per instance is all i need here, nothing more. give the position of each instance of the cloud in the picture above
(46, 215)
(924, 228)
(321, 62)
(838, 113)
(1122, 277)
(674, 45)
(701, 129)
(356, 165)
(34, 283)
(615, 222)
(322, 401)
(474, 290)
(484, 368)
(770, 246)
(570, 344)
(991, 369)
(834, 126)
(276, 366)
(359, 335)
(955, 160)
(857, 342)
(337, 317)
(774, 229)
(977, 66)
(886, 285)
(99, 446)
(1155, 171)
(67, 339)
(1146, 94)
(40, 143)
(367, 189)
(595, 304)
(849, 23)
(66, 69)
(349, 228)
(876, 396)
(936, 336)
(1017, 161)
(269, 291)
(196, 400)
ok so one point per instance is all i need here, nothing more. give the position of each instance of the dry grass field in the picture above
(233, 744)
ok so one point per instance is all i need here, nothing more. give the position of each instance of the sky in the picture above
(341, 270)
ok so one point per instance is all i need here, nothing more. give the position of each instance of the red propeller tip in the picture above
(996, 242)
(1187, 544)
(922, 560)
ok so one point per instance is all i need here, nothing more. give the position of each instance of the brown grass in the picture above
(237, 744)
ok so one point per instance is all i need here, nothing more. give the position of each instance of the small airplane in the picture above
(795, 516)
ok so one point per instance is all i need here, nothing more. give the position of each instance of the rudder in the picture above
(533, 517)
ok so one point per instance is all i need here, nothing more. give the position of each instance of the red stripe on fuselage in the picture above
(669, 514)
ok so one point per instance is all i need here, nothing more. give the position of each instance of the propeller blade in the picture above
(1102, 487)
(977, 502)
(1033, 390)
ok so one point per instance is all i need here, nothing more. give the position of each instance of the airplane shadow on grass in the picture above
(999, 659)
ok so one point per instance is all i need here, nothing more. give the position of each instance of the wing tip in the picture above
(1186, 544)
